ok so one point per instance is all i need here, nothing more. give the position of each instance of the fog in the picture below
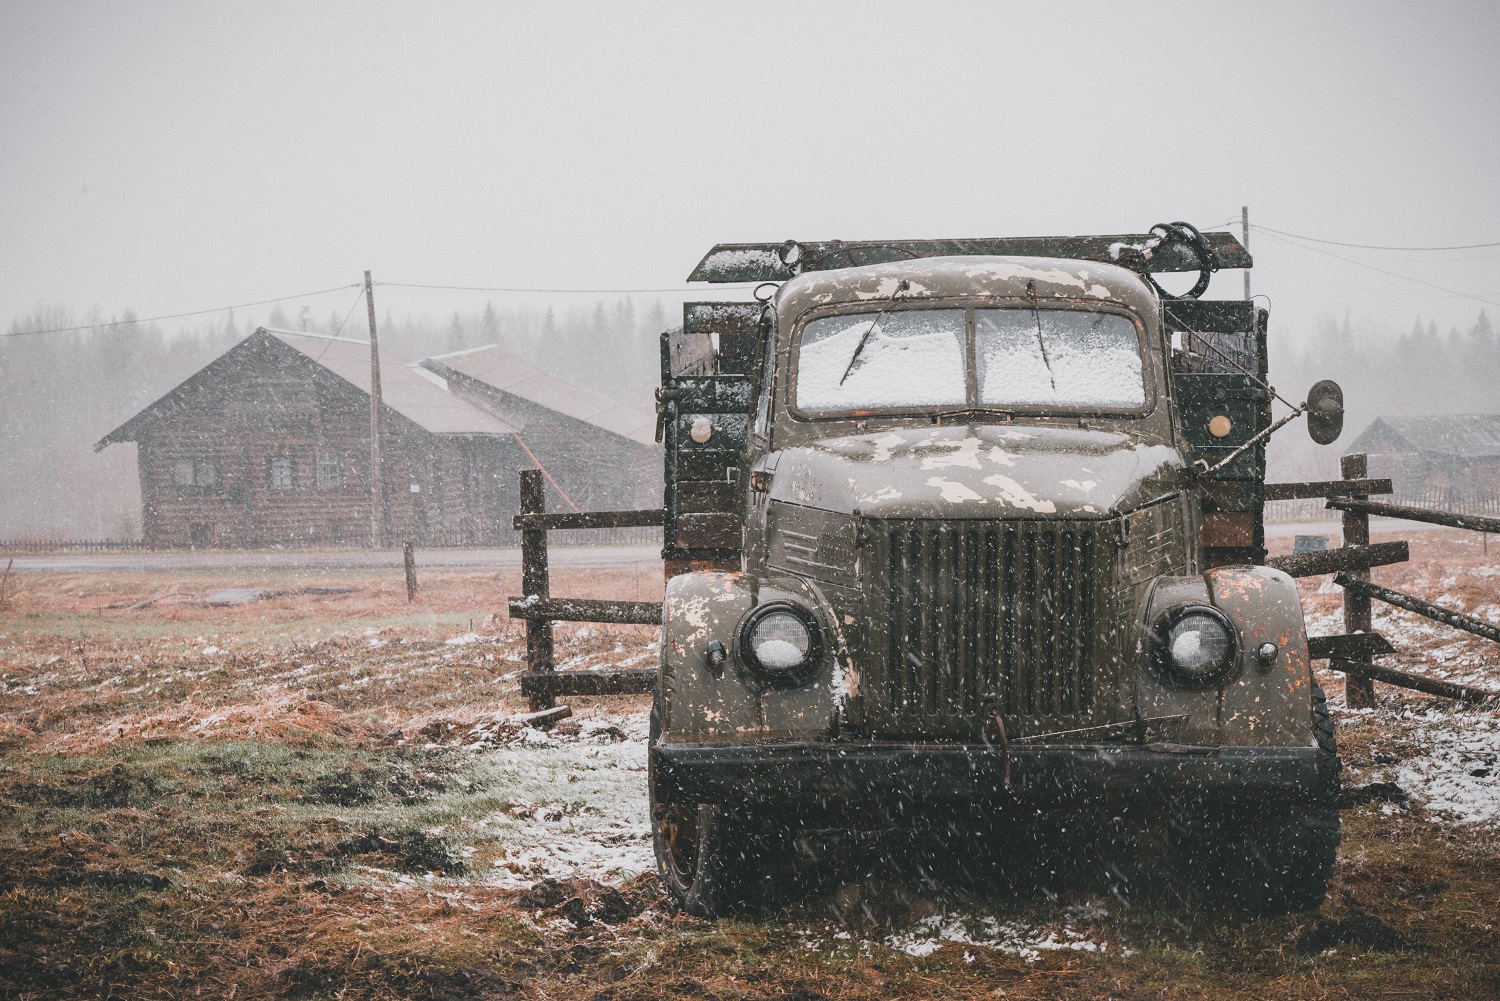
(162, 159)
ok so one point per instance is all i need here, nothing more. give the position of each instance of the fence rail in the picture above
(68, 545)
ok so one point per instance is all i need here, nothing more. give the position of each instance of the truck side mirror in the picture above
(1325, 412)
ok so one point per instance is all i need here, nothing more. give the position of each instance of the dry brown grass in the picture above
(267, 822)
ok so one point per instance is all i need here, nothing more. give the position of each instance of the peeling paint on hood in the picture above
(980, 471)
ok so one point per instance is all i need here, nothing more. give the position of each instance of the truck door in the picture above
(703, 419)
(1218, 376)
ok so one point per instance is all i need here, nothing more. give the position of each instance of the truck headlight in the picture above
(1195, 645)
(781, 642)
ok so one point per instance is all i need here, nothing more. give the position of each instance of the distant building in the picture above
(269, 444)
(604, 454)
(1449, 462)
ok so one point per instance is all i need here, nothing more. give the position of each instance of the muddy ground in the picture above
(323, 793)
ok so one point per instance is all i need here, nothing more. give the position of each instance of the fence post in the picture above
(411, 571)
(1359, 689)
(534, 581)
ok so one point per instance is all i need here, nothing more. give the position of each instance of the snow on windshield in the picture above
(910, 358)
(1090, 360)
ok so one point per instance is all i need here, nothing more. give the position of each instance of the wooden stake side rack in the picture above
(542, 683)
(1352, 653)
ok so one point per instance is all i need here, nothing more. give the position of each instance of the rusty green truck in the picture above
(974, 529)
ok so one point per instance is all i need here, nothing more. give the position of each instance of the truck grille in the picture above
(1012, 616)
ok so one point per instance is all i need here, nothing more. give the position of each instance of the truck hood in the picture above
(977, 471)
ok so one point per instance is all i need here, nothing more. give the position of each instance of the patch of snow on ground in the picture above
(464, 639)
(1458, 776)
(1013, 937)
(577, 803)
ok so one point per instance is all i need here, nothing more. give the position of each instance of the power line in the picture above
(178, 316)
(358, 298)
(1393, 274)
(1370, 246)
(559, 291)
(1359, 288)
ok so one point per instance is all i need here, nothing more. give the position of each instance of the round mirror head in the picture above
(1325, 412)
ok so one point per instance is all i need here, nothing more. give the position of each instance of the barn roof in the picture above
(403, 389)
(510, 373)
(1469, 436)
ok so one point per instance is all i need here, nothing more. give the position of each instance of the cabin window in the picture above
(281, 471)
(195, 473)
(330, 472)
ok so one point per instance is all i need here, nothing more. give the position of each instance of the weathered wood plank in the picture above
(649, 518)
(1417, 683)
(1326, 488)
(1411, 603)
(535, 580)
(1353, 646)
(623, 681)
(640, 613)
(1336, 560)
(1474, 522)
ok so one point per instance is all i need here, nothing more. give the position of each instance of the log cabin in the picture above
(269, 445)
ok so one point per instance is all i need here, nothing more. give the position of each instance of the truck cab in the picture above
(942, 543)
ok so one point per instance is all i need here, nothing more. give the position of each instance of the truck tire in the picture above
(1266, 865)
(714, 861)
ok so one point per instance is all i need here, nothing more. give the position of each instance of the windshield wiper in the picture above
(972, 412)
(1036, 314)
(901, 286)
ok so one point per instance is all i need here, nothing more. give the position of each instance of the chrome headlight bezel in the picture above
(792, 676)
(1194, 679)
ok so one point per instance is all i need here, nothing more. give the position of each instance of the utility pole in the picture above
(377, 489)
(1244, 239)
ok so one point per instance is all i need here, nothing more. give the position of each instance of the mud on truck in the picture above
(963, 535)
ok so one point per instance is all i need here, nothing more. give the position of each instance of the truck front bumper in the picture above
(842, 776)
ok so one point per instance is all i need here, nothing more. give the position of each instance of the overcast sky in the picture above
(165, 157)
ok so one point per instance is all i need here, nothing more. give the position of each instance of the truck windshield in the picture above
(1048, 359)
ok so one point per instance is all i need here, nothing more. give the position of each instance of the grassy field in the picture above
(322, 794)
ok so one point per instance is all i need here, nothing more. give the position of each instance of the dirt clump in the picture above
(582, 901)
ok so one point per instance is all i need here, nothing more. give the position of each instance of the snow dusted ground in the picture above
(576, 799)
(1454, 776)
(1017, 938)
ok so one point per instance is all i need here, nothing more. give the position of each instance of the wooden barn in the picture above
(1450, 462)
(269, 445)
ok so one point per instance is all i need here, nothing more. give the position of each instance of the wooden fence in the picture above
(542, 682)
(1352, 653)
(68, 545)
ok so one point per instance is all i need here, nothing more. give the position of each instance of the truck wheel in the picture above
(1266, 865)
(713, 861)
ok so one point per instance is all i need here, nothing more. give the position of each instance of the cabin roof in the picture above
(403, 389)
(1468, 436)
(509, 373)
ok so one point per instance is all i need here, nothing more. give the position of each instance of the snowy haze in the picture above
(160, 158)
(166, 157)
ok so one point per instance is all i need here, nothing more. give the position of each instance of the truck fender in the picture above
(698, 702)
(1260, 702)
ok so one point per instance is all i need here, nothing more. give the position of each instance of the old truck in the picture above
(971, 531)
